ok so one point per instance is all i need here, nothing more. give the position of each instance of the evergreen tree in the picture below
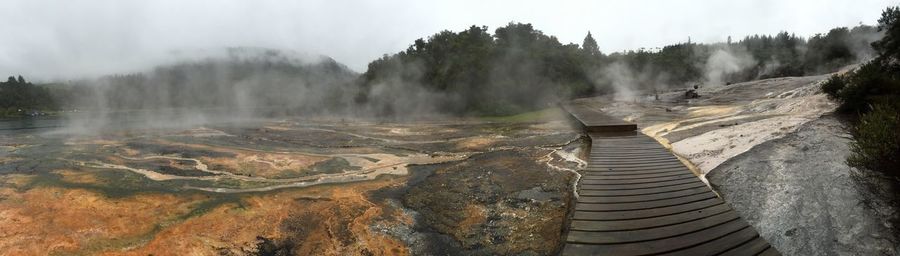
(590, 45)
(889, 46)
(513, 69)
(17, 94)
(872, 92)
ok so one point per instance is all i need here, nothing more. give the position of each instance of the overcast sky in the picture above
(67, 39)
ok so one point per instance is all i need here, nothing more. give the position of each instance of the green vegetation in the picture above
(873, 83)
(533, 116)
(475, 72)
(469, 68)
(872, 93)
(876, 144)
(20, 98)
(519, 68)
(833, 85)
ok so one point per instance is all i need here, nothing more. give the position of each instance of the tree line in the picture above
(19, 97)
(512, 69)
(476, 72)
(251, 79)
(519, 68)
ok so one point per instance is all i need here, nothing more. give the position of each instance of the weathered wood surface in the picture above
(636, 198)
(594, 120)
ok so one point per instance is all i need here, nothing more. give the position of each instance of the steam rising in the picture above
(241, 84)
(623, 80)
(199, 85)
(724, 62)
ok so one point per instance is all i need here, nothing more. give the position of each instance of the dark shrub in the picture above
(876, 144)
(873, 83)
(873, 93)
(834, 85)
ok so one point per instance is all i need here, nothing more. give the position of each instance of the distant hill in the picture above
(244, 79)
(515, 69)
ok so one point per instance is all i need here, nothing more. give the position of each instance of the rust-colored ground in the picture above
(48, 220)
(327, 220)
(451, 188)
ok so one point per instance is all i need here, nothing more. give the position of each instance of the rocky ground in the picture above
(301, 187)
(773, 150)
(801, 195)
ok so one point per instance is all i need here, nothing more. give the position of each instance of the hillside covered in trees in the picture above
(473, 72)
(246, 80)
(519, 68)
(516, 69)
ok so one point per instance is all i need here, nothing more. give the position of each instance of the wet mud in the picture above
(291, 187)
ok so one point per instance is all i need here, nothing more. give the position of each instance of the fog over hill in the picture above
(238, 83)
(242, 79)
(516, 69)
(46, 39)
(403, 127)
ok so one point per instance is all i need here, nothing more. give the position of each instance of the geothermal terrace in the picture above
(636, 198)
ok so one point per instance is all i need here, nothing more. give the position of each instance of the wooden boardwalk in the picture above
(636, 198)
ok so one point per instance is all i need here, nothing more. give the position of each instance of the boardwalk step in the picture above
(648, 213)
(637, 181)
(634, 192)
(650, 234)
(639, 186)
(635, 224)
(599, 207)
(593, 176)
(588, 198)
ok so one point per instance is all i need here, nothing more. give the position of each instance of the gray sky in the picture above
(67, 39)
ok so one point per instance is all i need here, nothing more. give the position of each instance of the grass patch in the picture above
(533, 116)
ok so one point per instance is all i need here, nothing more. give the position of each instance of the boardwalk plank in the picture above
(720, 244)
(591, 176)
(642, 160)
(638, 181)
(587, 198)
(634, 224)
(648, 164)
(637, 192)
(640, 186)
(584, 206)
(595, 243)
(633, 168)
(633, 159)
(647, 213)
(675, 169)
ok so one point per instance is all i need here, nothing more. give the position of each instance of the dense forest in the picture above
(515, 69)
(519, 68)
(21, 98)
(259, 81)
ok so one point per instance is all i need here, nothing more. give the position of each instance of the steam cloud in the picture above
(239, 84)
(726, 61)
